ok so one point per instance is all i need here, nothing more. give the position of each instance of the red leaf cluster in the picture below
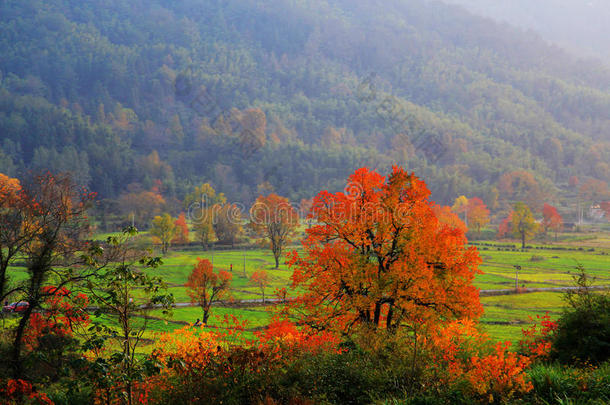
(551, 218)
(16, 391)
(62, 313)
(283, 336)
(537, 339)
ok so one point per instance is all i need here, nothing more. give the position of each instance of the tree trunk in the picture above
(522, 240)
(277, 261)
(17, 343)
(127, 353)
(2, 280)
(365, 316)
(388, 321)
(377, 314)
(37, 270)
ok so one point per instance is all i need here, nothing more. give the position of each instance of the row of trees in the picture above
(273, 220)
(521, 223)
(140, 206)
(213, 219)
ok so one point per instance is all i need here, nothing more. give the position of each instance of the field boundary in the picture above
(513, 291)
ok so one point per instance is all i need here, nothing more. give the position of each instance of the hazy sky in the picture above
(582, 26)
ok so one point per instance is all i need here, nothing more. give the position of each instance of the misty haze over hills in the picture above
(581, 26)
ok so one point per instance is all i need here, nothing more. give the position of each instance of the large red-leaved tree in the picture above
(379, 257)
(205, 287)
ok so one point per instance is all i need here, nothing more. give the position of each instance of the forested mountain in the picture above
(292, 94)
(581, 26)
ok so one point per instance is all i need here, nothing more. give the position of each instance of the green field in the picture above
(542, 266)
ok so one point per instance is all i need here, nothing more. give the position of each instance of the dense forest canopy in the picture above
(293, 95)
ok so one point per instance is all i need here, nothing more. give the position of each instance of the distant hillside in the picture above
(580, 26)
(293, 94)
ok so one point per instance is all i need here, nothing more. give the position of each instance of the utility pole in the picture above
(517, 269)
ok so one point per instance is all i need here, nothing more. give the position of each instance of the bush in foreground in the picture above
(583, 333)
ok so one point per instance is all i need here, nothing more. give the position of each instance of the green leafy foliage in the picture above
(583, 335)
(124, 294)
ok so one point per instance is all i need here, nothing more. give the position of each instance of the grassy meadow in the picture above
(543, 265)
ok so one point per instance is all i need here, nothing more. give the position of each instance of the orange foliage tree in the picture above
(282, 336)
(446, 216)
(478, 214)
(551, 219)
(206, 287)
(53, 331)
(141, 207)
(13, 235)
(261, 280)
(379, 257)
(500, 374)
(593, 190)
(274, 219)
(537, 339)
(193, 347)
(182, 234)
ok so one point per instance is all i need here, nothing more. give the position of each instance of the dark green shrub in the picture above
(583, 333)
(347, 378)
(74, 396)
(243, 376)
